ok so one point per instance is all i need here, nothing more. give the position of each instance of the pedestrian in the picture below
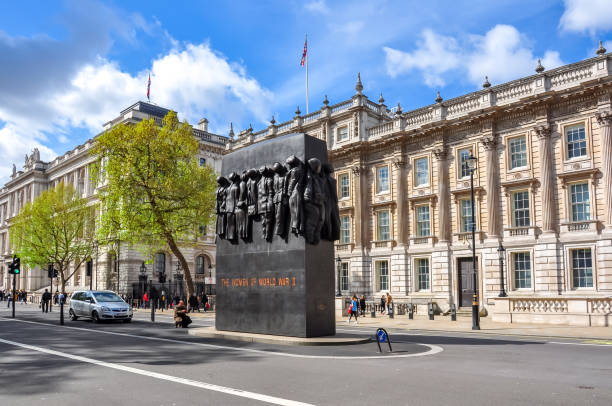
(362, 305)
(62, 298)
(10, 299)
(383, 302)
(180, 315)
(46, 298)
(389, 303)
(353, 309)
(55, 297)
(145, 299)
(24, 297)
(193, 303)
(205, 303)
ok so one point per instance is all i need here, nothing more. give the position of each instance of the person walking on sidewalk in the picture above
(353, 309)
(145, 299)
(389, 303)
(383, 302)
(205, 304)
(362, 305)
(193, 303)
(46, 298)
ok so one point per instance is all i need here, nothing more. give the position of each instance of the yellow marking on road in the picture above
(602, 342)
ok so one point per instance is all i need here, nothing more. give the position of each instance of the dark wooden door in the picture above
(466, 281)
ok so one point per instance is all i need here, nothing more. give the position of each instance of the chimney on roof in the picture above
(203, 124)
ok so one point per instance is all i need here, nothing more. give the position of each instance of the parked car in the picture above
(99, 305)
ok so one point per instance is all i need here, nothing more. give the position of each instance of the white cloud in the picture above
(590, 16)
(318, 6)
(434, 56)
(502, 54)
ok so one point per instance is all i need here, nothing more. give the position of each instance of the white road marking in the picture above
(203, 385)
(587, 344)
(433, 349)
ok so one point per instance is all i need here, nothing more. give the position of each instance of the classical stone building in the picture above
(116, 272)
(543, 189)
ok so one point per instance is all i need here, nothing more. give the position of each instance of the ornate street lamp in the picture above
(471, 162)
(501, 251)
(338, 270)
(209, 275)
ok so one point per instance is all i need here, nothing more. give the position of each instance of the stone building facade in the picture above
(110, 271)
(543, 189)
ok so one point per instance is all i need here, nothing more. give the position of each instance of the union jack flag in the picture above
(304, 54)
(149, 87)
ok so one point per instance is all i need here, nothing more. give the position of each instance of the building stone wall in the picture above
(543, 189)
(73, 167)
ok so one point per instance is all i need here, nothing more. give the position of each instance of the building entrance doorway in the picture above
(465, 277)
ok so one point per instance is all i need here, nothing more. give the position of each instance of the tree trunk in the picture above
(63, 280)
(177, 252)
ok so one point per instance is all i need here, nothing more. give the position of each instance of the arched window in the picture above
(160, 263)
(200, 265)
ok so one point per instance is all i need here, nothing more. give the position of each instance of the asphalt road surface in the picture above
(144, 363)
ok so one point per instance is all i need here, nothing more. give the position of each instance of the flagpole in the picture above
(307, 76)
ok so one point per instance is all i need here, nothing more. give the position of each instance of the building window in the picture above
(383, 225)
(345, 230)
(422, 220)
(202, 161)
(200, 265)
(521, 261)
(160, 263)
(422, 268)
(382, 275)
(421, 171)
(582, 268)
(520, 209)
(344, 276)
(466, 215)
(581, 208)
(576, 141)
(344, 185)
(464, 154)
(342, 133)
(382, 179)
(518, 152)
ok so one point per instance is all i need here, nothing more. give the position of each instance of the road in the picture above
(144, 363)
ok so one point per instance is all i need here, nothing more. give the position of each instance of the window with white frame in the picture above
(576, 141)
(342, 133)
(465, 206)
(520, 209)
(345, 230)
(580, 204)
(383, 229)
(382, 179)
(200, 265)
(464, 169)
(518, 152)
(344, 186)
(582, 268)
(421, 171)
(423, 228)
(382, 275)
(344, 276)
(422, 271)
(521, 266)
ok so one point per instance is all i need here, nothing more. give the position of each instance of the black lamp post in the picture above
(209, 275)
(178, 277)
(338, 270)
(471, 163)
(501, 251)
(143, 278)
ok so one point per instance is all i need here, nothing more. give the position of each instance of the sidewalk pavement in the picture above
(464, 325)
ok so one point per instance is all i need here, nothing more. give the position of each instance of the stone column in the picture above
(358, 173)
(546, 172)
(492, 168)
(400, 200)
(605, 122)
(443, 195)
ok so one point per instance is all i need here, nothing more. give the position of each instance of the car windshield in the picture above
(107, 297)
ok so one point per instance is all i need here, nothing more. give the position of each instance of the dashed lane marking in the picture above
(203, 385)
(433, 349)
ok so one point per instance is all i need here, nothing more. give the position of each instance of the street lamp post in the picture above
(471, 163)
(143, 278)
(209, 275)
(338, 269)
(178, 277)
(501, 251)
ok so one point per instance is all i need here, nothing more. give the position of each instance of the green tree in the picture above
(58, 228)
(153, 191)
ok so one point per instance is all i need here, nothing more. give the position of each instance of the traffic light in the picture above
(50, 271)
(15, 266)
(162, 278)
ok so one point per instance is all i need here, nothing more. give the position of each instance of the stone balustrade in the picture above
(580, 311)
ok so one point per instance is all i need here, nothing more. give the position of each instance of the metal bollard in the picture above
(410, 311)
(390, 310)
(453, 312)
(373, 311)
(431, 311)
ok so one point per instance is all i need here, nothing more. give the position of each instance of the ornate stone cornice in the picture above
(542, 131)
(604, 118)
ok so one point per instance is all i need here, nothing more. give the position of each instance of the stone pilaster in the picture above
(361, 209)
(605, 122)
(443, 195)
(546, 177)
(492, 168)
(400, 199)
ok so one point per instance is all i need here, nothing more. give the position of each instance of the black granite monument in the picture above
(277, 219)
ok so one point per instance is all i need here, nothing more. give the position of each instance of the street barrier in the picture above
(410, 311)
(453, 312)
(381, 337)
(431, 310)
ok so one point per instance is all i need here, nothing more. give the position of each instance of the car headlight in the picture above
(106, 309)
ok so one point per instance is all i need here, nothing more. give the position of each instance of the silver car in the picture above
(99, 305)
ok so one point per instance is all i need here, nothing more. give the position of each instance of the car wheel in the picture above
(127, 320)
(95, 317)
(73, 316)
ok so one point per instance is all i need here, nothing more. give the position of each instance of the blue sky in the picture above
(66, 67)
